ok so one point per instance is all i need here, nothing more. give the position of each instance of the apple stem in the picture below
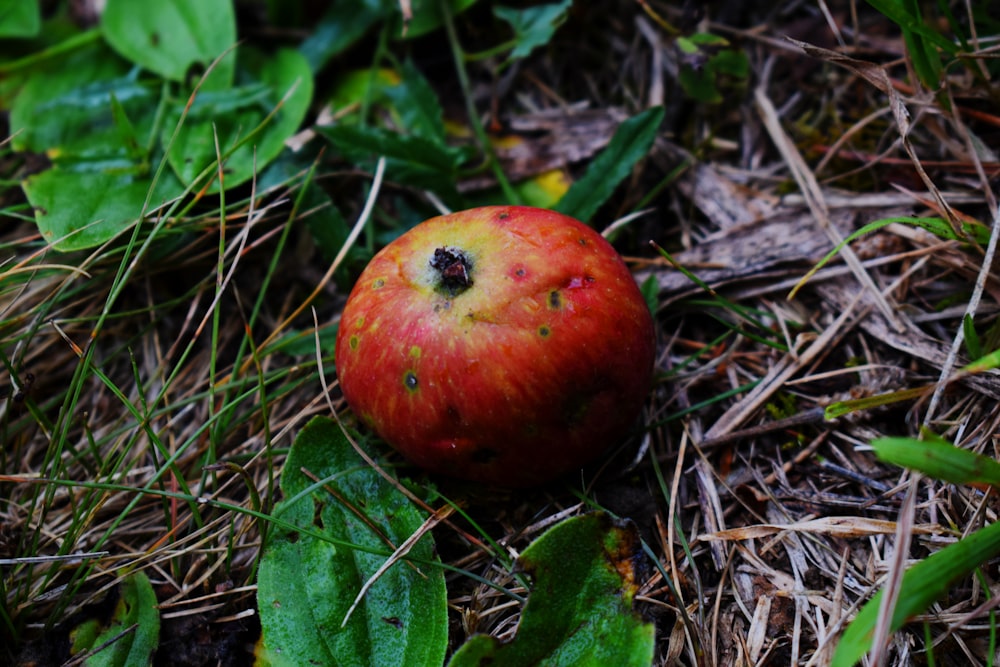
(453, 268)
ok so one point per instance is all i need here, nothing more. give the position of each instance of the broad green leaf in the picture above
(82, 209)
(410, 160)
(65, 110)
(169, 37)
(533, 26)
(238, 118)
(95, 122)
(417, 105)
(307, 585)
(579, 612)
(124, 645)
(939, 459)
(922, 585)
(20, 18)
(629, 144)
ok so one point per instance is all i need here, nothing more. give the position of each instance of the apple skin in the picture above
(530, 371)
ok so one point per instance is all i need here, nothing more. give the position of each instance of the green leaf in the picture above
(730, 62)
(96, 123)
(699, 84)
(984, 363)
(417, 105)
(922, 585)
(937, 226)
(168, 37)
(75, 210)
(629, 144)
(838, 409)
(579, 611)
(706, 39)
(248, 139)
(20, 18)
(534, 26)
(410, 159)
(66, 110)
(307, 585)
(973, 343)
(650, 290)
(908, 21)
(125, 645)
(939, 459)
(343, 23)
(427, 16)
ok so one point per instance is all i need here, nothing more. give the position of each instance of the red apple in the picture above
(503, 344)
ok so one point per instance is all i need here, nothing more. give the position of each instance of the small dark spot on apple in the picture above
(453, 413)
(410, 381)
(353, 341)
(503, 216)
(583, 241)
(378, 283)
(484, 455)
(544, 331)
(555, 300)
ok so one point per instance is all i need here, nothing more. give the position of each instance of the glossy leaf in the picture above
(238, 119)
(579, 611)
(306, 585)
(169, 37)
(65, 111)
(629, 144)
(82, 209)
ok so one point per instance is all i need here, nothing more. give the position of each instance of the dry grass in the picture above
(746, 195)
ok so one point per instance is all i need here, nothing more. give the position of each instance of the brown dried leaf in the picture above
(838, 526)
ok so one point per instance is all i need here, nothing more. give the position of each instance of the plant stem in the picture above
(470, 107)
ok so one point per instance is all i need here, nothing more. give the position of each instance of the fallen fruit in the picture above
(503, 344)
